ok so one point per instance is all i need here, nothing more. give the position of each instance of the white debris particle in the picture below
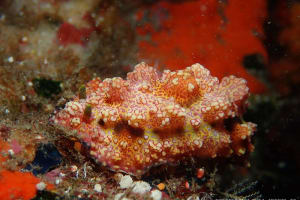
(30, 84)
(119, 196)
(156, 194)
(57, 181)
(24, 39)
(98, 188)
(11, 152)
(38, 137)
(10, 59)
(41, 186)
(23, 98)
(126, 181)
(141, 187)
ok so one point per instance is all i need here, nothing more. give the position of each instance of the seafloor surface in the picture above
(51, 49)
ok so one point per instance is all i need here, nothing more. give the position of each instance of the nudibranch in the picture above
(151, 118)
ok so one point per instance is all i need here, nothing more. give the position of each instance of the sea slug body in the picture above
(151, 118)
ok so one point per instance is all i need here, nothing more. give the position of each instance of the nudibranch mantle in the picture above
(151, 118)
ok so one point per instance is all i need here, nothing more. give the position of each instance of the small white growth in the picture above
(242, 151)
(41, 186)
(156, 194)
(38, 137)
(215, 103)
(180, 72)
(75, 121)
(198, 81)
(126, 182)
(30, 84)
(10, 59)
(57, 181)
(24, 39)
(198, 143)
(190, 87)
(23, 98)
(141, 187)
(98, 188)
(11, 152)
(195, 122)
(119, 195)
(69, 109)
(175, 81)
(221, 114)
(165, 121)
(181, 114)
